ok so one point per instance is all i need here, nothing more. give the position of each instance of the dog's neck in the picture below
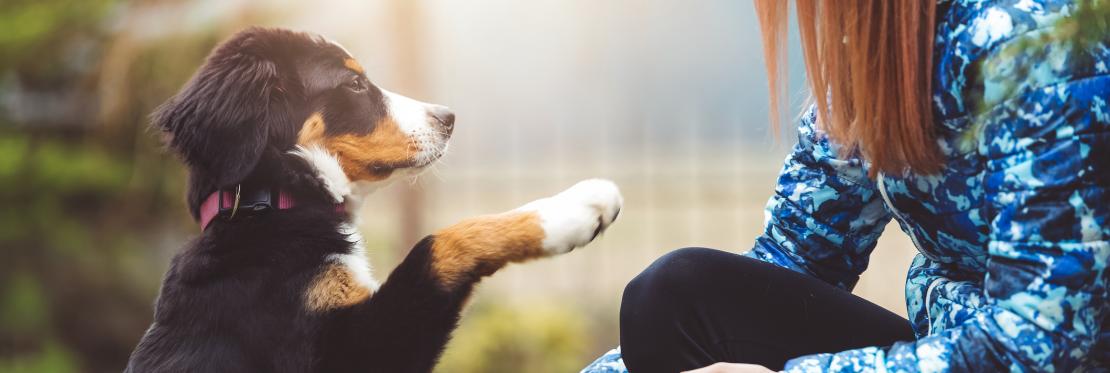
(229, 204)
(332, 187)
(339, 187)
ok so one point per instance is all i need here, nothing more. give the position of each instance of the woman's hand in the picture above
(732, 368)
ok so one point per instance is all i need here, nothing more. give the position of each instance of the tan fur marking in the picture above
(333, 288)
(374, 156)
(350, 63)
(482, 245)
(312, 130)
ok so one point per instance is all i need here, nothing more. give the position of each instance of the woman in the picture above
(983, 128)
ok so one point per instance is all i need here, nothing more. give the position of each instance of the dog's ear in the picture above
(222, 120)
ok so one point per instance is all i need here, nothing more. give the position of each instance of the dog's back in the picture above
(171, 350)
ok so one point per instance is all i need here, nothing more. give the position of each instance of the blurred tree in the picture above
(407, 15)
(91, 205)
(46, 42)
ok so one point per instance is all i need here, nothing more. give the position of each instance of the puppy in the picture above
(283, 134)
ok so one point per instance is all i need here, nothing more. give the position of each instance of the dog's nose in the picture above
(444, 117)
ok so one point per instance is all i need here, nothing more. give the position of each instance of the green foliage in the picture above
(23, 304)
(84, 194)
(537, 339)
(63, 243)
(45, 184)
(23, 309)
(53, 358)
(31, 24)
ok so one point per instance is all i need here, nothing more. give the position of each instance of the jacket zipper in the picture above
(913, 237)
(928, 295)
(897, 214)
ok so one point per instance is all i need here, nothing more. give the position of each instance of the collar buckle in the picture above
(248, 203)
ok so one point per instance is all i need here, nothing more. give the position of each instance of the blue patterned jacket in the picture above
(1013, 235)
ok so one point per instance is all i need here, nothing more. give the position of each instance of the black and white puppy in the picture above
(282, 133)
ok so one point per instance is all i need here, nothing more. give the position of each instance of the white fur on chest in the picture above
(355, 260)
(350, 194)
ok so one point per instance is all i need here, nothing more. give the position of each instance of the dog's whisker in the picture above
(435, 171)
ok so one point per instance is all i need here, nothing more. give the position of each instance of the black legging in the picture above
(694, 307)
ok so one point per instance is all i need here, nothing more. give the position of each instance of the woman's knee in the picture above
(670, 278)
(662, 308)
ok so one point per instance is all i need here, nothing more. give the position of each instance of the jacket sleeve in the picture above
(1047, 183)
(826, 214)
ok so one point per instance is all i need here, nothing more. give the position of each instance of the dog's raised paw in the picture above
(576, 216)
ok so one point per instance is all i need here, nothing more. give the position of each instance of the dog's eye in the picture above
(356, 84)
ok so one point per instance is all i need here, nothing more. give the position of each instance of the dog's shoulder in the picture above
(227, 299)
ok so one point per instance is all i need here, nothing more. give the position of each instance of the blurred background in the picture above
(667, 98)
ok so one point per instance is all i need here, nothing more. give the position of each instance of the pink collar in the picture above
(226, 200)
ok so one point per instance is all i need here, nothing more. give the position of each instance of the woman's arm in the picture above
(826, 214)
(1048, 186)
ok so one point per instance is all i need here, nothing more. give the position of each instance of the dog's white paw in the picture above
(576, 216)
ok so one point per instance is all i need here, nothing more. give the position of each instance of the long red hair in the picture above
(868, 65)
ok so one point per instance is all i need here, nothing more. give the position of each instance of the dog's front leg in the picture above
(406, 324)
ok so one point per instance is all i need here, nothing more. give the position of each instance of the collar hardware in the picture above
(241, 203)
(251, 203)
